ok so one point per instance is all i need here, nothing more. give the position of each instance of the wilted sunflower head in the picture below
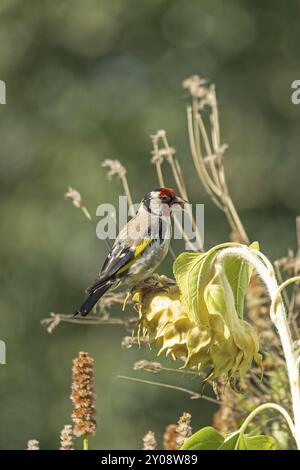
(200, 320)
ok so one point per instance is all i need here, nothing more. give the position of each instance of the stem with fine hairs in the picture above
(278, 316)
(263, 407)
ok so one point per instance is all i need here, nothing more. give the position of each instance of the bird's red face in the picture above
(162, 201)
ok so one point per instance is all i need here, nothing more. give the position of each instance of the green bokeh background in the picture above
(92, 80)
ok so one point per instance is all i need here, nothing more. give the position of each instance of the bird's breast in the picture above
(150, 259)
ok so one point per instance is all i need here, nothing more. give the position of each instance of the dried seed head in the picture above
(51, 322)
(160, 134)
(75, 197)
(170, 437)
(147, 366)
(183, 429)
(165, 318)
(149, 441)
(83, 396)
(115, 168)
(67, 438)
(201, 90)
(196, 86)
(129, 341)
(207, 330)
(33, 444)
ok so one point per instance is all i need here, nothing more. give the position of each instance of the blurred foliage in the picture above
(91, 80)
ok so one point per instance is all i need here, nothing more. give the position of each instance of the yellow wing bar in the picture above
(137, 253)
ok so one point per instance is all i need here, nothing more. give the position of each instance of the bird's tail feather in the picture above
(92, 299)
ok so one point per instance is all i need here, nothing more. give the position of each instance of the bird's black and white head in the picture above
(161, 201)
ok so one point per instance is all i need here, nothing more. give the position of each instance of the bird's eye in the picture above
(167, 199)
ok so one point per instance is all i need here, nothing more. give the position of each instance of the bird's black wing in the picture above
(118, 257)
(119, 260)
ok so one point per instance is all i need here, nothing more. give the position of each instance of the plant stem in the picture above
(157, 160)
(263, 407)
(85, 442)
(128, 194)
(278, 316)
(279, 319)
(193, 395)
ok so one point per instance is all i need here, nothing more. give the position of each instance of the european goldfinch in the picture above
(139, 249)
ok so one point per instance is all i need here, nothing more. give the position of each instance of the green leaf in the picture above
(187, 271)
(214, 300)
(229, 442)
(246, 442)
(216, 305)
(194, 271)
(205, 439)
(238, 273)
(259, 442)
(182, 267)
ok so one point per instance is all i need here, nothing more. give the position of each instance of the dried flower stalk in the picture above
(67, 438)
(149, 441)
(115, 168)
(129, 341)
(33, 444)
(170, 437)
(75, 197)
(83, 396)
(163, 152)
(147, 366)
(55, 319)
(183, 429)
(193, 395)
(208, 152)
(101, 317)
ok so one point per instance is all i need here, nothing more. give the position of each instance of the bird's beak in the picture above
(178, 200)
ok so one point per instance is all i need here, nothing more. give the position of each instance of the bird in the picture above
(139, 248)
